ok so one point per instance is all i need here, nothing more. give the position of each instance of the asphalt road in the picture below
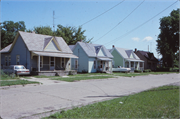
(36, 101)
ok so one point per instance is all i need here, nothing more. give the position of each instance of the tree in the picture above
(168, 39)
(71, 35)
(9, 30)
(45, 30)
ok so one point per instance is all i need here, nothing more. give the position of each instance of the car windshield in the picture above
(19, 67)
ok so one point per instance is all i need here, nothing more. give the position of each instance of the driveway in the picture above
(36, 101)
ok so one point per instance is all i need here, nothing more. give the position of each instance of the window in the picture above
(17, 59)
(41, 61)
(76, 64)
(94, 64)
(9, 59)
(6, 60)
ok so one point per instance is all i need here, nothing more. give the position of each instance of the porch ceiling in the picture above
(133, 60)
(53, 54)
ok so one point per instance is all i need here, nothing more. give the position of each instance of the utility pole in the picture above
(53, 23)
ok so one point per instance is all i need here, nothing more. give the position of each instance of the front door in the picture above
(52, 63)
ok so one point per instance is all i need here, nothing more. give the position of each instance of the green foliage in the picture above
(6, 77)
(168, 39)
(163, 69)
(78, 78)
(16, 82)
(147, 70)
(45, 30)
(71, 35)
(162, 102)
(9, 30)
(137, 71)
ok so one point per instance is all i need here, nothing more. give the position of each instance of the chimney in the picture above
(135, 49)
(113, 46)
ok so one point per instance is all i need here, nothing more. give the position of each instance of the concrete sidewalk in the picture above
(34, 101)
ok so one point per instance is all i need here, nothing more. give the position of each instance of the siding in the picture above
(101, 53)
(91, 65)
(20, 49)
(118, 60)
(51, 47)
(82, 60)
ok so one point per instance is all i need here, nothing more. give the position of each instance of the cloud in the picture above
(148, 38)
(135, 39)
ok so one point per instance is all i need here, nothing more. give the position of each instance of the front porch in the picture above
(134, 65)
(104, 65)
(52, 65)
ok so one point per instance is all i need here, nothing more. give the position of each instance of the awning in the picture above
(133, 60)
(53, 54)
(104, 59)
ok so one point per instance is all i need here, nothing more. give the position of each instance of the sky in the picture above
(126, 24)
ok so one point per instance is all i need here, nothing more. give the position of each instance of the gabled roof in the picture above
(71, 47)
(126, 53)
(46, 41)
(92, 49)
(37, 42)
(6, 49)
(148, 55)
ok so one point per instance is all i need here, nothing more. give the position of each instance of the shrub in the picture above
(163, 69)
(147, 70)
(137, 71)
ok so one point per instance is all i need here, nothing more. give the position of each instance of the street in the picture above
(36, 101)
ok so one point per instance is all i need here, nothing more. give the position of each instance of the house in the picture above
(41, 54)
(91, 58)
(126, 58)
(150, 62)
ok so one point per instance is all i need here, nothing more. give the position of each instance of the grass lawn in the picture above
(78, 78)
(87, 76)
(160, 102)
(16, 82)
(6, 80)
(141, 74)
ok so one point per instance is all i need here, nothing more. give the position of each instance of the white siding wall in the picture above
(82, 60)
(91, 65)
(51, 47)
(101, 52)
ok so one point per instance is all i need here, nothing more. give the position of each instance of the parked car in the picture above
(16, 69)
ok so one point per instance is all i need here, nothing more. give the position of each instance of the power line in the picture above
(139, 25)
(120, 22)
(102, 13)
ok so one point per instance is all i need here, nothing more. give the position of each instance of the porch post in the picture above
(134, 65)
(38, 63)
(111, 66)
(129, 64)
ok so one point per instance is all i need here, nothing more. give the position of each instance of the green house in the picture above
(126, 58)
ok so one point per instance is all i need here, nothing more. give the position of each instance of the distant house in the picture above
(91, 58)
(39, 53)
(126, 58)
(150, 62)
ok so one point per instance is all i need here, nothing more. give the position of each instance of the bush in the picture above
(137, 71)
(174, 69)
(163, 69)
(147, 70)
